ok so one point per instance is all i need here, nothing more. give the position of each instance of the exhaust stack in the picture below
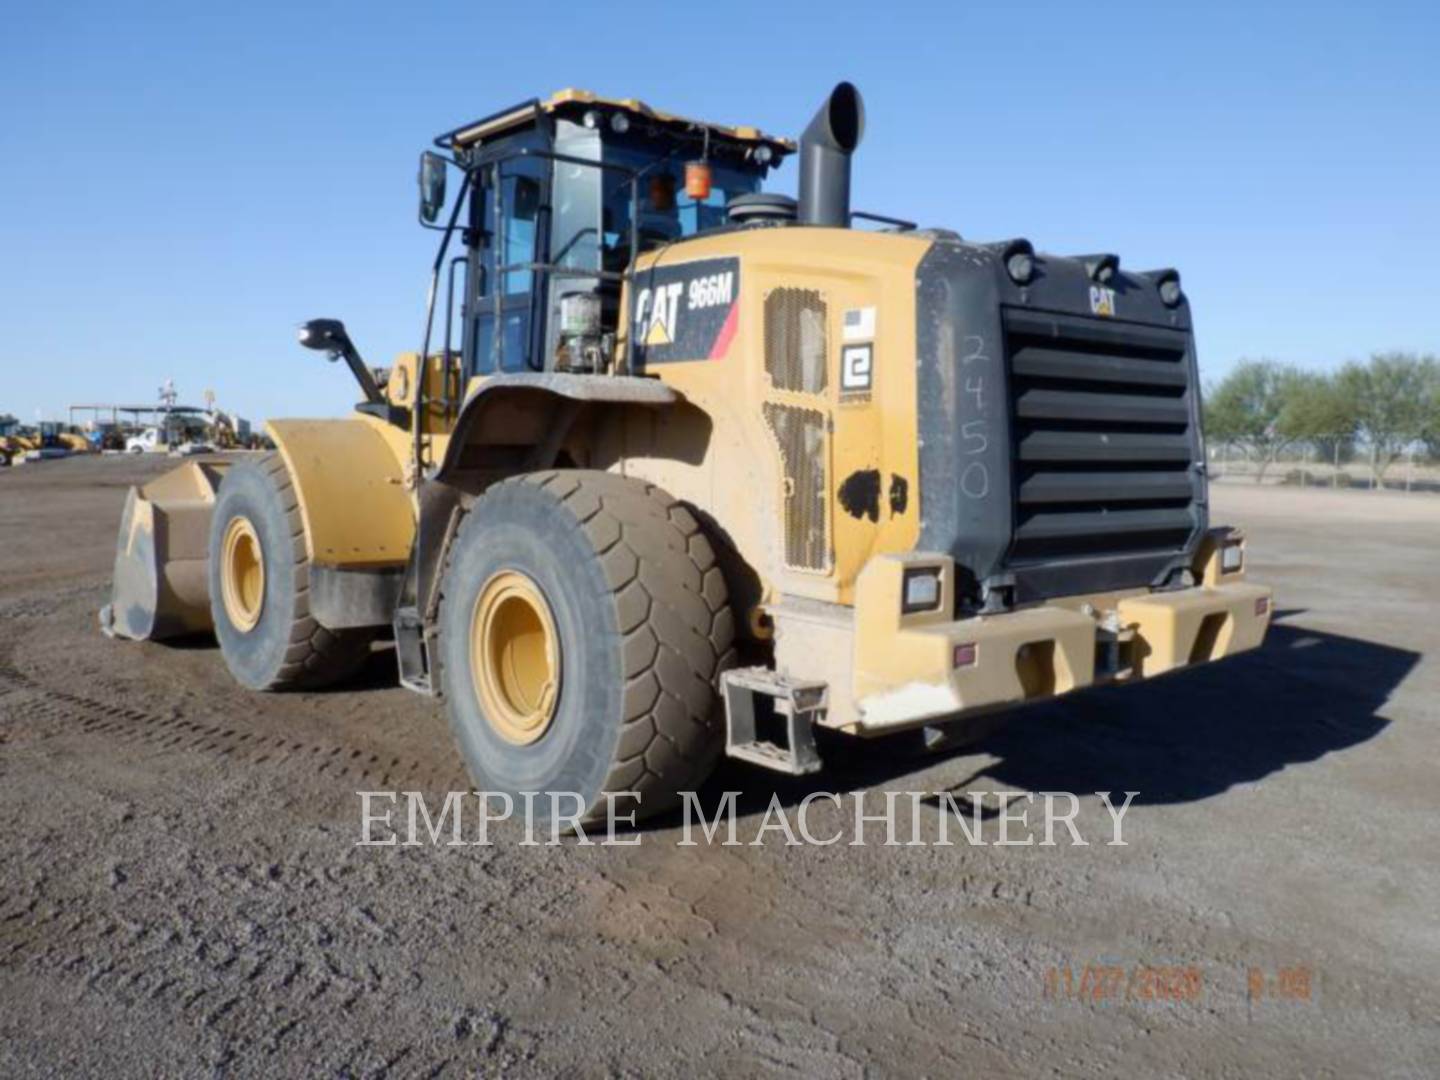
(825, 149)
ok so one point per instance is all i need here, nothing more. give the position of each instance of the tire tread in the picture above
(316, 656)
(673, 614)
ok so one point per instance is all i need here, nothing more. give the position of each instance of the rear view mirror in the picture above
(432, 185)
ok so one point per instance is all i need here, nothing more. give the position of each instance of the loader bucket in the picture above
(161, 576)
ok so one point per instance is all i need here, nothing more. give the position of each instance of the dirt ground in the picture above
(181, 893)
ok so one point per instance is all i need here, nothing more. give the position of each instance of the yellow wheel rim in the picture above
(515, 657)
(242, 574)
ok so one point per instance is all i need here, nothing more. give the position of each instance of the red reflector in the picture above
(1262, 605)
(965, 655)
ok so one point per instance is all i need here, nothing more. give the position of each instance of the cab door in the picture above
(508, 216)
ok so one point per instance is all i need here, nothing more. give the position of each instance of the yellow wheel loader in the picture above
(686, 468)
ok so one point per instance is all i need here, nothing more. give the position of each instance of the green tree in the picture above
(1318, 412)
(1255, 405)
(1393, 397)
(1430, 430)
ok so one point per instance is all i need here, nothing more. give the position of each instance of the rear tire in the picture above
(260, 587)
(615, 583)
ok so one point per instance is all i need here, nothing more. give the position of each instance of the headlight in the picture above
(922, 590)
(1232, 558)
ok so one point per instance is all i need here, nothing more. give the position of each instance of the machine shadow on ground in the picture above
(1302, 695)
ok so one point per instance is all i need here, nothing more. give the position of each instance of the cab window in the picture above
(522, 207)
(513, 243)
(667, 213)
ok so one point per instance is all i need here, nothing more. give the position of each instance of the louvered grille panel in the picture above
(800, 435)
(795, 346)
(1103, 439)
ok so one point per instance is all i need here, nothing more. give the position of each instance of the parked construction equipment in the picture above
(676, 444)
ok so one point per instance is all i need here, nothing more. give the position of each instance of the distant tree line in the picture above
(1389, 403)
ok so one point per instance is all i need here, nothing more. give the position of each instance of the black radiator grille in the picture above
(1103, 437)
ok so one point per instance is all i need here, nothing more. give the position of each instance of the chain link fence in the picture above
(1333, 461)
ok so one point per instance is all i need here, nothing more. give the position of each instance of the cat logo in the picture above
(685, 311)
(1102, 300)
(656, 311)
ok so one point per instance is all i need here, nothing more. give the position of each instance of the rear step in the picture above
(750, 728)
(412, 651)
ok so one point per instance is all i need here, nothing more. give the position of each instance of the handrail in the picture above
(419, 408)
(449, 399)
(446, 141)
(899, 223)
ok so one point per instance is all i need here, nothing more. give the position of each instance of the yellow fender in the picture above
(349, 477)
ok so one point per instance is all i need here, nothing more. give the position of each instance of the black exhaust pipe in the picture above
(825, 150)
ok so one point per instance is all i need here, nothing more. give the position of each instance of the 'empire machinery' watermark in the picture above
(822, 818)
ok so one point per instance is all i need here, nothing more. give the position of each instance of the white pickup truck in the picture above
(147, 442)
(150, 441)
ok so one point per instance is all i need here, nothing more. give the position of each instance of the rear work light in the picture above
(922, 590)
(1232, 558)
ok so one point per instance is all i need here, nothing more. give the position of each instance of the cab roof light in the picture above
(1167, 284)
(1020, 262)
(1018, 258)
(1101, 269)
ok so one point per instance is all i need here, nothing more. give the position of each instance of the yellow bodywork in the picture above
(1174, 630)
(839, 619)
(161, 586)
(904, 663)
(718, 452)
(888, 670)
(350, 483)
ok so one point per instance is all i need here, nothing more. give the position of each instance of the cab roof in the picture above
(578, 101)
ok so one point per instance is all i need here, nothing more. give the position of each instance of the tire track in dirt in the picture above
(222, 952)
(27, 704)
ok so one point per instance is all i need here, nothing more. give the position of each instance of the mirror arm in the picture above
(363, 375)
(330, 337)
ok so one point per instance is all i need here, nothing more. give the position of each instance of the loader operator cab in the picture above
(558, 197)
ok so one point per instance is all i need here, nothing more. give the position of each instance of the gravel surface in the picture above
(181, 892)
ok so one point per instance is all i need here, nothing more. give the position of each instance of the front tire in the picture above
(260, 587)
(584, 624)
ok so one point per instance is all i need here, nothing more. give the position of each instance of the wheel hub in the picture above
(242, 574)
(515, 657)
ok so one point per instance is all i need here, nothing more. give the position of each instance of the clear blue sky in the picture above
(182, 184)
